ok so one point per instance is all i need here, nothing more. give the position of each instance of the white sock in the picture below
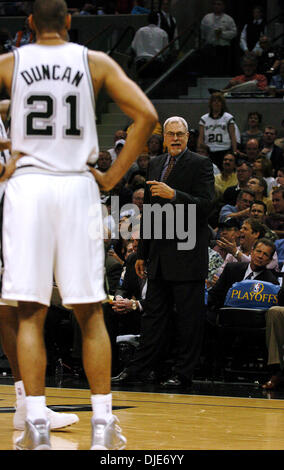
(36, 407)
(20, 392)
(102, 406)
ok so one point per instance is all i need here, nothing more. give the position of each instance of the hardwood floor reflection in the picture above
(153, 420)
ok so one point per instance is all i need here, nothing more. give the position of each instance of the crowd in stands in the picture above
(248, 210)
(248, 206)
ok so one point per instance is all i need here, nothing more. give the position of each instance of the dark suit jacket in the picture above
(234, 272)
(230, 195)
(193, 179)
(277, 158)
(113, 271)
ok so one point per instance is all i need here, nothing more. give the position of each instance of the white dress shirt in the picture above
(148, 41)
(211, 22)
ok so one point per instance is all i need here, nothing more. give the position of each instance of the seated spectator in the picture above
(280, 177)
(230, 231)
(270, 150)
(137, 180)
(269, 57)
(252, 150)
(240, 210)
(259, 188)
(262, 168)
(217, 31)
(204, 150)
(113, 267)
(228, 176)
(244, 173)
(275, 220)
(122, 315)
(253, 129)
(192, 139)
(249, 68)
(137, 206)
(139, 166)
(147, 43)
(119, 135)
(252, 31)
(104, 161)
(217, 129)
(155, 145)
(256, 268)
(118, 146)
(258, 211)
(215, 261)
(250, 231)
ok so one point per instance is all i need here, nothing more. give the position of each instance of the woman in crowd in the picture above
(217, 129)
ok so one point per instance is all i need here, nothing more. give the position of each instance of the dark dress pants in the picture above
(186, 300)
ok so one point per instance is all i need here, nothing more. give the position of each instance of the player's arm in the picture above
(133, 102)
(6, 72)
(6, 170)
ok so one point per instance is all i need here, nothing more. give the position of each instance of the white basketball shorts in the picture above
(52, 226)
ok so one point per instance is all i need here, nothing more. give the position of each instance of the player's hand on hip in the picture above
(11, 165)
(102, 179)
(5, 144)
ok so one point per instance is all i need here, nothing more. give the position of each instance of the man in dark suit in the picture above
(178, 182)
(261, 255)
(270, 150)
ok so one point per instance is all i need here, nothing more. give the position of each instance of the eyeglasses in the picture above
(178, 134)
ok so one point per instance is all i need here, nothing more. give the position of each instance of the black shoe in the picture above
(125, 377)
(176, 381)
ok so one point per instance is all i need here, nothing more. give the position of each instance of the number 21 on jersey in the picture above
(42, 109)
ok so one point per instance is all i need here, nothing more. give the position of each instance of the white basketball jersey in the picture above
(216, 133)
(53, 118)
(4, 155)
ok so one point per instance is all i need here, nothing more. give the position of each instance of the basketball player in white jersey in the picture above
(8, 315)
(51, 199)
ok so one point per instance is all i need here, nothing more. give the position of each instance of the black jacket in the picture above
(234, 272)
(193, 179)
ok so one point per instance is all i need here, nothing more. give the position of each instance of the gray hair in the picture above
(176, 119)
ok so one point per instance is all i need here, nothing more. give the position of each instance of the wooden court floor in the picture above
(163, 421)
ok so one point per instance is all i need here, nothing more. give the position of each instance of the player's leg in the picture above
(32, 364)
(96, 351)
(31, 347)
(8, 336)
(79, 274)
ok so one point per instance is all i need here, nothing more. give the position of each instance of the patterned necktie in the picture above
(169, 168)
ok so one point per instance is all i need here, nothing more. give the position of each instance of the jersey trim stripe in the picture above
(86, 63)
(15, 71)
